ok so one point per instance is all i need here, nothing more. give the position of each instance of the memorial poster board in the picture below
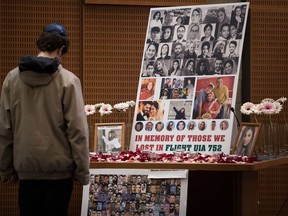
(188, 78)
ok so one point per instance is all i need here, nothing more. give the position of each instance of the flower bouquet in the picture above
(107, 109)
(271, 139)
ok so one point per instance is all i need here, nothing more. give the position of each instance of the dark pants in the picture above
(45, 197)
(221, 113)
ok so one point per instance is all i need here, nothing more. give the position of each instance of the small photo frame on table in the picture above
(246, 139)
(109, 137)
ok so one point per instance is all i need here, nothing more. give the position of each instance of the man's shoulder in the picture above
(12, 75)
(68, 75)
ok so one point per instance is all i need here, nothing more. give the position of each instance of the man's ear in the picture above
(59, 51)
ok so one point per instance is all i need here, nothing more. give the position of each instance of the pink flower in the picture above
(258, 109)
(138, 156)
(247, 108)
(279, 107)
(267, 100)
(89, 109)
(268, 108)
(105, 109)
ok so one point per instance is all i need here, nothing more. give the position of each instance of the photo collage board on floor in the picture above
(189, 78)
(138, 192)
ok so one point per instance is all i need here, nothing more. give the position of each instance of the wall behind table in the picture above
(268, 52)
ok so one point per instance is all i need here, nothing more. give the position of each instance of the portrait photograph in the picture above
(246, 139)
(109, 137)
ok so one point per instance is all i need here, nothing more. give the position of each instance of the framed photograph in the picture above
(109, 137)
(246, 139)
(135, 192)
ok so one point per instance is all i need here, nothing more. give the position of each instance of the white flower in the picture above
(247, 108)
(121, 106)
(279, 107)
(105, 109)
(267, 100)
(282, 100)
(268, 107)
(97, 106)
(131, 103)
(89, 109)
(257, 109)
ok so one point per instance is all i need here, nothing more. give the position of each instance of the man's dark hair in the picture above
(224, 25)
(208, 25)
(54, 37)
(233, 42)
(147, 102)
(219, 58)
(206, 43)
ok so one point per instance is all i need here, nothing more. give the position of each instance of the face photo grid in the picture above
(114, 194)
(185, 44)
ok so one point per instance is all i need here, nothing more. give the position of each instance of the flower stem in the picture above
(256, 119)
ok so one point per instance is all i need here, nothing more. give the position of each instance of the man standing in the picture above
(222, 95)
(43, 132)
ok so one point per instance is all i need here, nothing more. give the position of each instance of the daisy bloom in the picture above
(267, 100)
(97, 106)
(89, 109)
(279, 107)
(121, 106)
(257, 109)
(268, 108)
(105, 109)
(131, 103)
(282, 100)
(247, 108)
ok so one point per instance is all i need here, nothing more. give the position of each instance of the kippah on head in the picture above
(55, 27)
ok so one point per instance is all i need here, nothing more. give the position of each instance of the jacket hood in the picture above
(38, 71)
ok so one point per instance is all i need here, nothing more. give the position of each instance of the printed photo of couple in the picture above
(213, 98)
(150, 111)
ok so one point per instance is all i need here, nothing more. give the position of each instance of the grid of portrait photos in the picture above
(190, 69)
(132, 194)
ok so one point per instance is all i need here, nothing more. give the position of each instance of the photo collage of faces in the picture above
(190, 66)
(132, 195)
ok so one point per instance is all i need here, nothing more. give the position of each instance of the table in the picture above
(257, 189)
(249, 189)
